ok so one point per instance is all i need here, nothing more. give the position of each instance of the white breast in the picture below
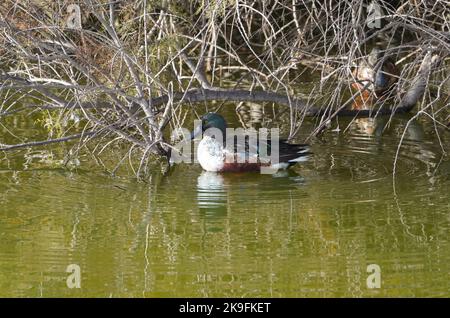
(210, 154)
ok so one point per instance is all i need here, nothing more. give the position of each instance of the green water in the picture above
(309, 233)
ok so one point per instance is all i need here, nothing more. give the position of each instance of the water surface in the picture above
(311, 232)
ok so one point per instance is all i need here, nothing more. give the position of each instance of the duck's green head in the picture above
(210, 120)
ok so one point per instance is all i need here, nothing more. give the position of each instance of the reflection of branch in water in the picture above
(403, 222)
(146, 261)
(412, 95)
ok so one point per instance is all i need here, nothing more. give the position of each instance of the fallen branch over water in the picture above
(47, 142)
(407, 103)
(127, 68)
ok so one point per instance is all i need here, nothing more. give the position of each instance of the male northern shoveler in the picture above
(214, 155)
(377, 71)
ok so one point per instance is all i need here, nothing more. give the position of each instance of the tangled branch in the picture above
(130, 67)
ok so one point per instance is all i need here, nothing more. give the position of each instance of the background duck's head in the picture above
(210, 120)
(376, 73)
(374, 57)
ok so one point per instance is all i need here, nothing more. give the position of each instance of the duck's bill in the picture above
(196, 132)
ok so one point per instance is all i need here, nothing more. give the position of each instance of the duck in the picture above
(380, 77)
(214, 156)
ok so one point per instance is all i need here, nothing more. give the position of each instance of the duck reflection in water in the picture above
(216, 192)
(211, 195)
